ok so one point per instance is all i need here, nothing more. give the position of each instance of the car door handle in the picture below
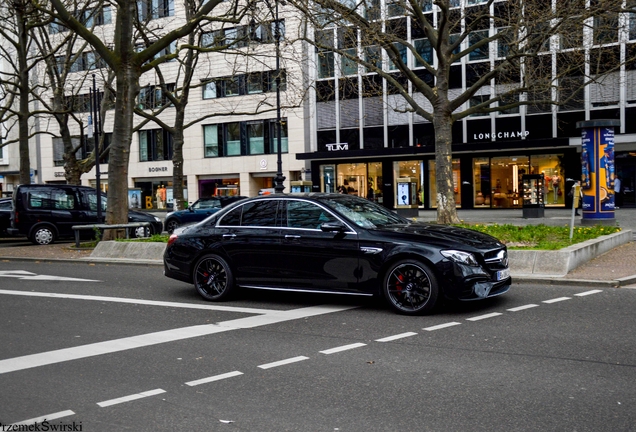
(291, 237)
(229, 236)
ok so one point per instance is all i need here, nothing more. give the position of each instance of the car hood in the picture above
(137, 216)
(444, 235)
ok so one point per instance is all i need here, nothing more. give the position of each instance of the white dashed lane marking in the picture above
(283, 362)
(397, 336)
(37, 420)
(524, 307)
(441, 326)
(213, 378)
(559, 299)
(131, 397)
(586, 293)
(343, 348)
(486, 316)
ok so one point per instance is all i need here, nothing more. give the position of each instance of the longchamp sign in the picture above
(500, 135)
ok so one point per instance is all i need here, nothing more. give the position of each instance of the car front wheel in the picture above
(410, 287)
(43, 235)
(171, 225)
(213, 278)
(141, 232)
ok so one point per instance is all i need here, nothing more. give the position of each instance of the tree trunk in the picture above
(446, 210)
(127, 89)
(177, 170)
(24, 90)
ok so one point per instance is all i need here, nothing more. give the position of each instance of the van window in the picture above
(91, 198)
(54, 199)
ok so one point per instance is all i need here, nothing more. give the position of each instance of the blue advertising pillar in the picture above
(597, 171)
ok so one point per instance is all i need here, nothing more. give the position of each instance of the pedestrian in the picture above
(618, 196)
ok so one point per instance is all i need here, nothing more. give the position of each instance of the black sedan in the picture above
(335, 243)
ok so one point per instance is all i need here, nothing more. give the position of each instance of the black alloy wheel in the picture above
(410, 287)
(213, 278)
(171, 225)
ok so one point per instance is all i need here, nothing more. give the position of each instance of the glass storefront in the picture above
(496, 181)
(218, 187)
(457, 181)
(154, 194)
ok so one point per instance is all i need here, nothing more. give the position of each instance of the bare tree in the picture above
(16, 30)
(539, 45)
(128, 62)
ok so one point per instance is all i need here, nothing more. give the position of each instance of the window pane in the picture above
(425, 50)
(307, 215)
(349, 67)
(211, 141)
(233, 143)
(233, 218)
(283, 137)
(255, 83)
(209, 90)
(232, 86)
(402, 52)
(480, 53)
(373, 55)
(260, 214)
(325, 64)
(256, 138)
(143, 146)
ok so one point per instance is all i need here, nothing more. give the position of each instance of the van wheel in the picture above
(43, 235)
(141, 232)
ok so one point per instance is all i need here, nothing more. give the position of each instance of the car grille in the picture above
(497, 259)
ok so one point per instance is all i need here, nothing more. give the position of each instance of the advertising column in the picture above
(597, 171)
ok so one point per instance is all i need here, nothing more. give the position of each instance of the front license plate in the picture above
(502, 274)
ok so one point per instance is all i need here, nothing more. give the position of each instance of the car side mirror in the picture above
(333, 227)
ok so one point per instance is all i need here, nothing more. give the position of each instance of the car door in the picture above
(66, 210)
(314, 259)
(250, 237)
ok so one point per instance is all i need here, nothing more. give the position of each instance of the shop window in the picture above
(155, 145)
(352, 179)
(432, 176)
(550, 166)
(505, 180)
(481, 190)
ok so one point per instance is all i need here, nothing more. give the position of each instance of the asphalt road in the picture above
(128, 349)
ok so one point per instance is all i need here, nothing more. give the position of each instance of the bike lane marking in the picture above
(144, 340)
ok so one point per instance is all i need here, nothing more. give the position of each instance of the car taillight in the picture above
(16, 219)
(172, 239)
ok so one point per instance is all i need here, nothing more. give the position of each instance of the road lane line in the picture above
(554, 300)
(116, 345)
(213, 378)
(395, 337)
(486, 316)
(283, 362)
(36, 420)
(586, 293)
(524, 307)
(130, 397)
(343, 348)
(139, 302)
(441, 326)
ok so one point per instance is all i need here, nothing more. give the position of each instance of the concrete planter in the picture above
(562, 261)
(129, 251)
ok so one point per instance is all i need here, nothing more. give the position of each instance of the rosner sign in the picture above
(500, 135)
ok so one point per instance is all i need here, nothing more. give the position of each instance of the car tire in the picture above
(213, 278)
(410, 287)
(141, 232)
(171, 225)
(42, 235)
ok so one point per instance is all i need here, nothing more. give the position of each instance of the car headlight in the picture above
(157, 219)
(461, 257)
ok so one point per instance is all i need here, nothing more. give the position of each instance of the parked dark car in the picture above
(335, 243)
(5, 214)
(198, 211)
(46, 212)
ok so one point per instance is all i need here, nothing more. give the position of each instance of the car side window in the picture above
(205, 204)
(232, 218)
(5, 205)
(91, 198)
(62, 199)
(39, 199)
(303, 214)
(260, 213)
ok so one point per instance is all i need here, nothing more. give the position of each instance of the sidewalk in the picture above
(614, 268)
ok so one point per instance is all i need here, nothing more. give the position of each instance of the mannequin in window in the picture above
(555, 187)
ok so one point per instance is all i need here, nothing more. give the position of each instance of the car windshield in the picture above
(364, 213)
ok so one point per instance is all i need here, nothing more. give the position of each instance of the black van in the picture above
(46, 212)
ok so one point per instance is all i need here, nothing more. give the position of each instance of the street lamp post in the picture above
(96, 132)
(280, 178)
